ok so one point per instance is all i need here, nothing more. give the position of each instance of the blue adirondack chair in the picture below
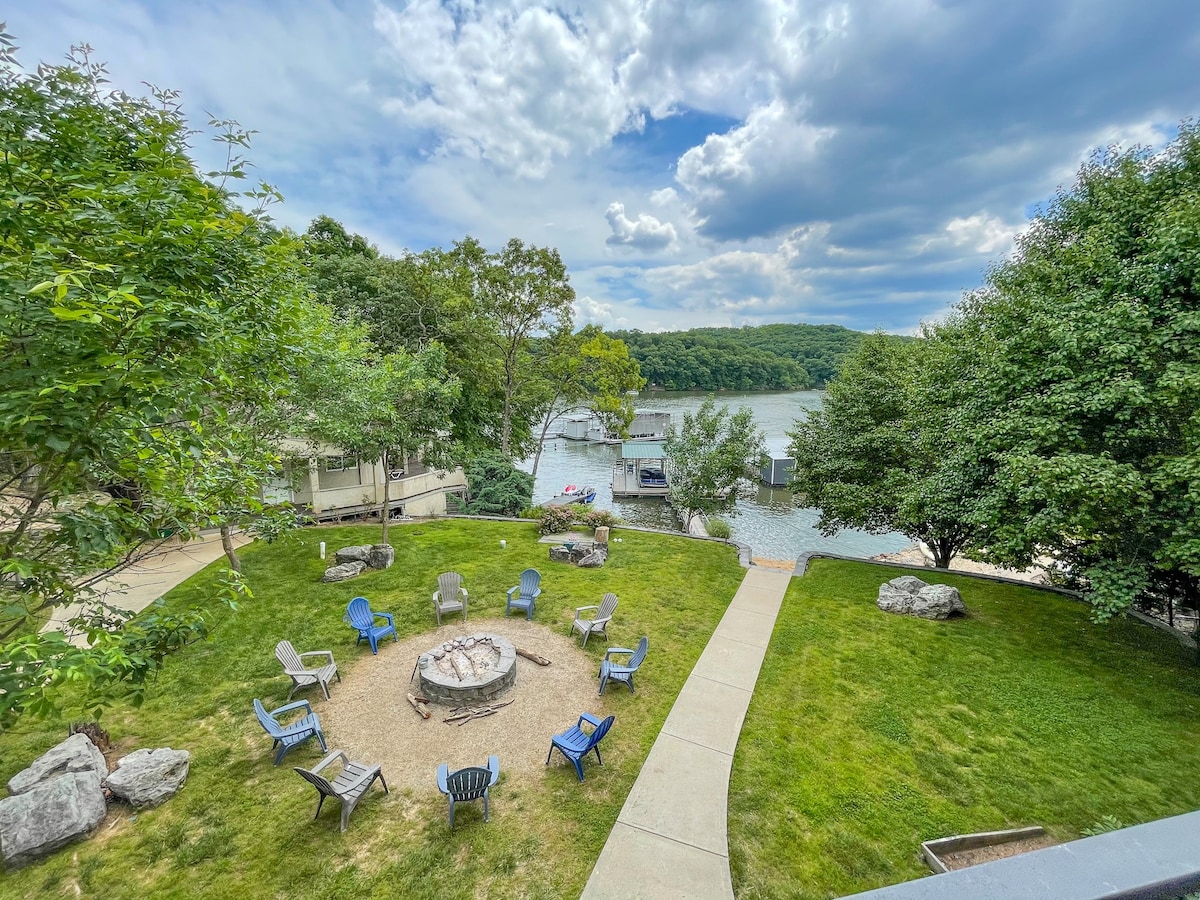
(468, 784)
(360, 616)
(575, 743)
(288, 736)
(611, 671)
(526, 592)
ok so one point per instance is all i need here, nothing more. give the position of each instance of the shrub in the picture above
(558, 518)
(498, 488)
(531, 512)
(598, 518)
(718, 528)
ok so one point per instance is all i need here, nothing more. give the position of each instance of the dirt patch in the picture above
(965, 858)
(914, 557)
(783, 565)
(369, 716)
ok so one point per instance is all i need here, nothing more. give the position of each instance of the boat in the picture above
(573, 494)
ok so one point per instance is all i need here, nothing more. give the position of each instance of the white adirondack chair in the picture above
(450, 596)
(302, 675)
(598, 624)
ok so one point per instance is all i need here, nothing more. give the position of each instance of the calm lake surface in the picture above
(771, 523)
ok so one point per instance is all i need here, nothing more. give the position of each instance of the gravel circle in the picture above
(369, 716)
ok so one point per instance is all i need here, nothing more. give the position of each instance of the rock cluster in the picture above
(60, 797)
(589, 556)
(355, 560)
(910, 596)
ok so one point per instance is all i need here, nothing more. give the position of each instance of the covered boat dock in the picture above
(641, 471)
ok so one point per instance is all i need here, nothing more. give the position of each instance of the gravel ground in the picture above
(369, 716)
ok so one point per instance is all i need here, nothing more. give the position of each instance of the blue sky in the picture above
(696, 163)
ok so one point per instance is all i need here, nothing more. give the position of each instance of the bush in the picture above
(498, 488)
(598, 518)
(531, 512)
(718, 528)
(559, 518)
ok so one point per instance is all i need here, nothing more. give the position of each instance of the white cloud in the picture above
(980, 233)
(644, 233)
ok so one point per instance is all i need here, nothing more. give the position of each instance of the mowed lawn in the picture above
(871, 732)
(242, 827)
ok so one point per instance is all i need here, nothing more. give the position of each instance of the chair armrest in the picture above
(367, 775)
(611, 650)
(590, 719)
(580, 609)
(537, 592)
(494, 767)
(464, 592)
(436, 594)
(510, 591)
(391, 621)
(299, 704)
(602, 621)
(328, 653)
(443, 772)
(333, 754)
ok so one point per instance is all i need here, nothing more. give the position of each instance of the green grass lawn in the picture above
(243, 827)
(869, 732)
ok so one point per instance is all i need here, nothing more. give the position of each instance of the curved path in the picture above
(670, 839)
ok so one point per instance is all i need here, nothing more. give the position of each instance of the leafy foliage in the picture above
(498, 488)
(710, 455)
(881, 454)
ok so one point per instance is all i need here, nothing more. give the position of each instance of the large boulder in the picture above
(148, 777)
(49, 815)
(344, 572)
(593, 560)
(910, 596)
(357, 553)
(76, 754)
(381, 556)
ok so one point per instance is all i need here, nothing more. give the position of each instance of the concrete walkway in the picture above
(670, 839)
(145, 581)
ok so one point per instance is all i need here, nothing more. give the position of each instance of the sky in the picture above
(695, 163)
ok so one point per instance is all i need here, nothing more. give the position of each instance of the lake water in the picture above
(770, 523)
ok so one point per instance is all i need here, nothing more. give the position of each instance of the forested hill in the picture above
(764, 357)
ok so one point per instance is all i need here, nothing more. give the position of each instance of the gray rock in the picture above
(910, 584)
(49, 815)
(149, 777)
(357, 553)
(894, 599)
(344, 571)
(937, 601)
(76, 754)
(593, 560)
(381, 556)
(560, 554)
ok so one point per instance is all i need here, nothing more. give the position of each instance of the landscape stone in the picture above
(149, 777)
(357, 553)
(560, 554)
(910, 596)
(381, 556)
(50, 815)
(76, 754)
(593, 560)
(344, 571)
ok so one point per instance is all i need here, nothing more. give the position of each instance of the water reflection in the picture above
(770, 522)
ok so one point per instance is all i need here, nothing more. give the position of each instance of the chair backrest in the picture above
(448, 587)
(599, 732)
(287, 656)
(317, 781)
(640, 653)
(264, 718)
(607, 605)
(469, 783)
(530, 579)
(359, 614)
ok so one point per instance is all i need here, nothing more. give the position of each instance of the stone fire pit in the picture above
(468, 670)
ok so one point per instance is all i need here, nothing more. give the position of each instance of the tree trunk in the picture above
(230, 550)
(537, 455)
(387, 497)
(943, 552)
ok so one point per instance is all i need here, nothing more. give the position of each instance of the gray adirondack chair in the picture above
(302, 675)
(599, 623)
(611, 671)
(526, 593)
(468, 784)
(288, 736)
(349, 785)
(450, 596)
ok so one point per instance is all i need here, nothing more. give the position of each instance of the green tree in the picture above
(497, 487)
(711, 455)
(586, 369)
(143, 306)
(882, 454)
(1080, 362)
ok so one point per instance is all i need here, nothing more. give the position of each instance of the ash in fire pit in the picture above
(468, 669)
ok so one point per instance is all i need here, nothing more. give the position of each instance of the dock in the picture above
(641, 471)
